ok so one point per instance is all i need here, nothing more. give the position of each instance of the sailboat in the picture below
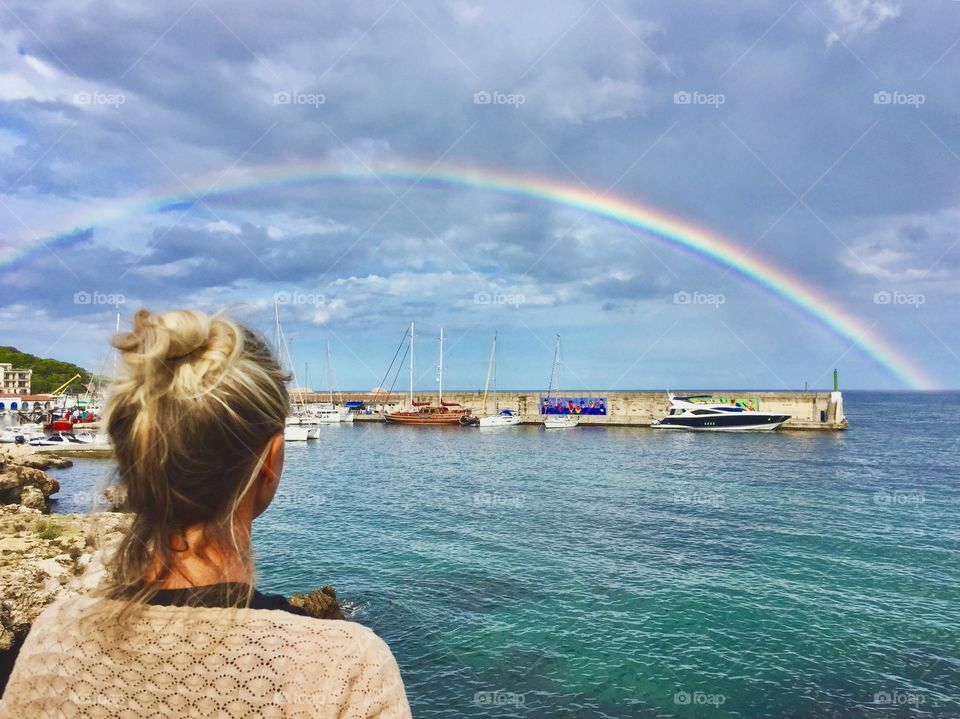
(499, 418)
(557, 421)
(423, 413)
(328, 412)
(297, 427)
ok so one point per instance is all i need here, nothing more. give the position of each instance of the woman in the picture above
(196, 419)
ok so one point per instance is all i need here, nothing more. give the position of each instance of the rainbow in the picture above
(654, 222)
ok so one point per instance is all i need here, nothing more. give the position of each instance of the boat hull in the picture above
(560, 422)
(296, 433)
(498, 421)
(734, 423)
(424, 419)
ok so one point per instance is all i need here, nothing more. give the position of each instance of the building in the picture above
(14, 381)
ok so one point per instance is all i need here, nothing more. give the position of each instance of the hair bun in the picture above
(164, 337)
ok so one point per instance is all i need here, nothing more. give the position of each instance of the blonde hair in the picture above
(191, 416)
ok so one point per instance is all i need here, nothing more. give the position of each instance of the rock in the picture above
(32, 498)
(45, 461)
(45, 557)
(320, 603)
(21, 483)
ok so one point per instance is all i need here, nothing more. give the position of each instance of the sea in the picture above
(630, 572)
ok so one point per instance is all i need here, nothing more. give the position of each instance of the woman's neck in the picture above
(198, 562)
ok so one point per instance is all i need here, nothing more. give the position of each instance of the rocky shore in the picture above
(47, 556)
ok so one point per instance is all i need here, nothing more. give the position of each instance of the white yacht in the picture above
(706, 416)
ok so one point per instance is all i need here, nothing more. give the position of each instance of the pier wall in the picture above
(810, 410)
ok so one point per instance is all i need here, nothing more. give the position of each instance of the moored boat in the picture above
(698, 413)
(556, 416)
(423, 413)
(499, 418)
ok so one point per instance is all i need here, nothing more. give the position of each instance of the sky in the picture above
(326, 156)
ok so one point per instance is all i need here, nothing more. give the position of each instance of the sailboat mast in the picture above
(486, 383)
(276, 328)
(496, 399)
(555, 370)
(441, 368)
(116, 353)
(329, 372)
(411, 365)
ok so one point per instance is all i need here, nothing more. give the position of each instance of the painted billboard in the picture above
(573, 405)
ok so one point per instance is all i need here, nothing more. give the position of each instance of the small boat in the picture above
(560, 421)
(499, 418)
(294, 431)
(557, 419)
(423, 413)
(504, 418)
(298, 427)
(705, 416)
(328, 412)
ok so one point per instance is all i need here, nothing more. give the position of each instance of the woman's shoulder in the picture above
(72, 613)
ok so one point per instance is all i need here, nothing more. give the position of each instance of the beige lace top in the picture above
(200, 662)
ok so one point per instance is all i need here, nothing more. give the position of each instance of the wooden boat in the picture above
(423, 413)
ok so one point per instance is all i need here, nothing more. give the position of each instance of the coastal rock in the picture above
(32, 498)
(14, 478)
(320, 603)
(45, 557)
(44, 461)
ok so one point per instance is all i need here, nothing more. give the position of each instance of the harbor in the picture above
(809, 410)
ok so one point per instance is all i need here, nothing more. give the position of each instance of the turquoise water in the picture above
(633, 573)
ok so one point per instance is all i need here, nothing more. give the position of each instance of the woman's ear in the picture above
(269, 478)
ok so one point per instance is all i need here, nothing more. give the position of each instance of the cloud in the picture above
(861, 16)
